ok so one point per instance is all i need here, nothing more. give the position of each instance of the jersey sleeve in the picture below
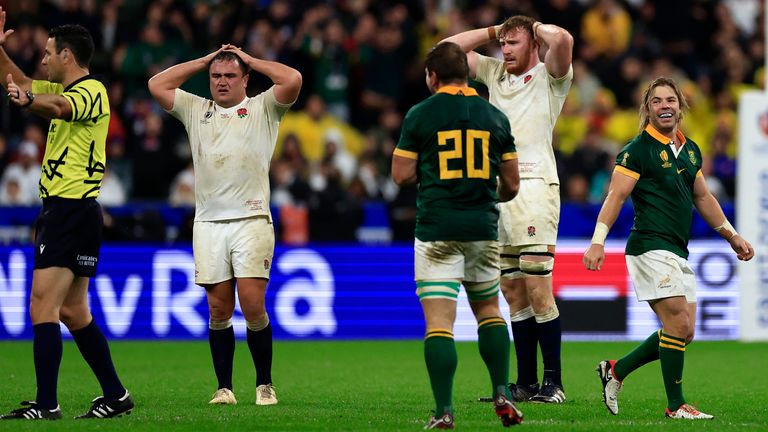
(629, 163)
(561, 86)
(274, 109)
(46, 87)
(486, 68)
(183, 106)
(407, 146)
(88, 100)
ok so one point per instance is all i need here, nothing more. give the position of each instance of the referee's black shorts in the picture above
(68, 234)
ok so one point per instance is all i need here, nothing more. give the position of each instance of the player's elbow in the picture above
(564, 39)
(400, 178)
(61, 110)
(154, 86)
(295, 79)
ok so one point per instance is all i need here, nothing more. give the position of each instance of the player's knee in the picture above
(549, 314)
(536, 268)
(258, 324)
(223, 324)
(220, 313)
(253, 310)
(689, 337)
(482, 291)
(521, 314)
(69, 316)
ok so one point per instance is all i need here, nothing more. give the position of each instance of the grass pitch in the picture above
(382, 386)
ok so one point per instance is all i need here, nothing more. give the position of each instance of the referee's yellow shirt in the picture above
(75, 155)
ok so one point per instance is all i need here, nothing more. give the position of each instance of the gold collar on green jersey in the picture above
(658, 136)
(460, 90)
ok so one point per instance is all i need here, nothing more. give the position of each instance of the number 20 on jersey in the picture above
(458, 152)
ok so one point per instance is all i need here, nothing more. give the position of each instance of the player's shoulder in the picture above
(420, 108)
(88, 83)
(692, 145)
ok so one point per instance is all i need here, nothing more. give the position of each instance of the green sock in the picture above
(672, 356)
(440, 355)
(493, 342)
(646, 352)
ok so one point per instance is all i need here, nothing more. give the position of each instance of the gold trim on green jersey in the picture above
(406, 153)
(627, 172)
(458, 90)
(660, 137)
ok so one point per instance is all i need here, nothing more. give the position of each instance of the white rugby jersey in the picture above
(231, 152)
(532, 102)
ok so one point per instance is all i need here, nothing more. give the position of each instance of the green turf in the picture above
(382, 386)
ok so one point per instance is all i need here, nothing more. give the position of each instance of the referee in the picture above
(68, 230)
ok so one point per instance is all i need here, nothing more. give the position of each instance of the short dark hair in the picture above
(75, 38)
(448, 61)
(518, 22)
(230, 56)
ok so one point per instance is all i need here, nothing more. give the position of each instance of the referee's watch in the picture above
(30, 96)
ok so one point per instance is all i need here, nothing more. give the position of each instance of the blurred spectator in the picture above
(577, 189)
(182, 192)
(606, 29)
(337, 155)
(290, 153)
(333, 215)
(152, 164)
(310, 127)
(11, 193)
(714, 184)
(331, 75)
(591, 156)
(723, 165)
(25, 173)
(288, 188)
(5, 154)
(112, 192)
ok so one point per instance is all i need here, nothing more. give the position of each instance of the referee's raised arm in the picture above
(163, 85)
(7, 66)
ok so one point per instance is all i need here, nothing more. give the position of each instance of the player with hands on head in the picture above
(661, 170)
(529, 85)
(232, 138)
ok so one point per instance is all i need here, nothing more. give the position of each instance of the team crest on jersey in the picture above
(531, 231)
(526, 79)
(665, 159)
(242, 112)
(206, 117)
(624, 159)
(692, 156)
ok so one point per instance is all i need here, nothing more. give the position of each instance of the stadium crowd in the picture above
(362, 62)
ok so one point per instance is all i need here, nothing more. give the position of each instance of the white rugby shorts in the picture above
(531, 218)
(659, 274)
(238, 248)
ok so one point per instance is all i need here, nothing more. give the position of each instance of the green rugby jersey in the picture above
(663, 195)
(75, 153)
(459, 141)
